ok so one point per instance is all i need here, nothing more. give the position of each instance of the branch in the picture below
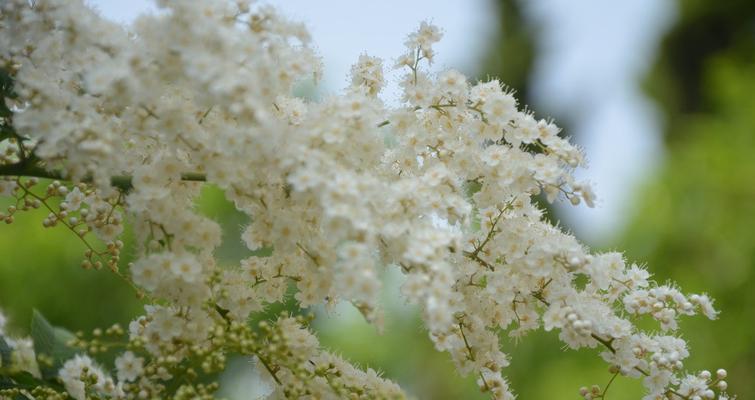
(269, 368)
(475, 254)
(123, 182)
(608, 343)
(475, 257)
(471, 355)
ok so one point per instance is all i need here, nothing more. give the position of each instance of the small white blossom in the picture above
(71, 375)
(368, 71)
(23, 356)
(129, 366)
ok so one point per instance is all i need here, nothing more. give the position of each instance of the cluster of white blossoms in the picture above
(443, 187)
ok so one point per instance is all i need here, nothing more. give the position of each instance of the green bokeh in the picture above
(695, 221)
(40, 269)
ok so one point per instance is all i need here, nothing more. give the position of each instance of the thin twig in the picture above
(122, 182)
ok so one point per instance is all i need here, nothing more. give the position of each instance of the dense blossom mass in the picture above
(442, 187)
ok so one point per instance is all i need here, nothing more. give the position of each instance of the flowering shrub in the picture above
(442, 187)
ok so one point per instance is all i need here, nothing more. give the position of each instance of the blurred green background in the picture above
(692, 221)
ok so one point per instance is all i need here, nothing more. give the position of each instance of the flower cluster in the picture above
(443, 187)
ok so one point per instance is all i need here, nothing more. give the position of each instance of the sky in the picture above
(591, 55)
(342, 30)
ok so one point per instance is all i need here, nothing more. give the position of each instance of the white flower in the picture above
(500, 108)
(292, 109)
(129, 366)
(637, 276)
(656, 383)
(453, 85)
(368, 71)
(424, 38)
(706, 305)
(71, 374)
(605, 269)
(186, 267)
(168, 325)
(23, 356)
(148, 272)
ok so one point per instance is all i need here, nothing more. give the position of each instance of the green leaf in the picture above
(5, 112)
(21, 379)
(6, 131)
(472, 187)
(6, 382)
(6, 84)
(6, 91)
(5, 351)
(51, 342)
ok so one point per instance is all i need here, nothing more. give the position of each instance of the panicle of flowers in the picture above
(443, 187)
(287, 354)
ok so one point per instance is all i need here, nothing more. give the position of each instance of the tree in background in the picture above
(511, 54)
(695, 220)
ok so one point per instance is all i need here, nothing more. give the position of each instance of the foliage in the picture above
(694, 219)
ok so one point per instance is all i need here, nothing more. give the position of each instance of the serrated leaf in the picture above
(51, 342)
